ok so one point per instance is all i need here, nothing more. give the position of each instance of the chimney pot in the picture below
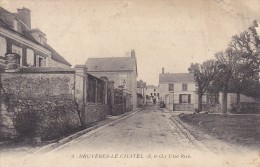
(133, 54)
(25, 15)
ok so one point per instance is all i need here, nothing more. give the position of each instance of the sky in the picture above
(164, 33)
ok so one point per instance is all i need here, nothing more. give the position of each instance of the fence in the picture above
(96, 107)
(95, 89)
(122, 102)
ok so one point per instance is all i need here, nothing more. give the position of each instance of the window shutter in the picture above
(180, 100)
(189, 99)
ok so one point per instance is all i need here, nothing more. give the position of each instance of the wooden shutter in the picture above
(180, 100)
(189, 99)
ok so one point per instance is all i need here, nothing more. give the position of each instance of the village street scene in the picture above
(130, 83)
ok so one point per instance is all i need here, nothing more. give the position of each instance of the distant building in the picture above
(121, 70)
(141, 93)
(178, 91)
(152, 94)
(16, 36)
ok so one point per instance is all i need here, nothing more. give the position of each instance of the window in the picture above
(40, 61)
(157, 94)
(184, 87)
(151, 94)
(30, 57)
(184, 98)
(154, 90)
(15, 25)
(171, 87)
(19, 51)
(3, 47)
(154, 94)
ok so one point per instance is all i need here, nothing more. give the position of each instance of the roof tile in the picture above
(111, 64)
(176, 77)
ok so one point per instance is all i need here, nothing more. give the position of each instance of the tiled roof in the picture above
(2, 23)
(176, 77)
(111, 64)
(56, 56)
(26, 33)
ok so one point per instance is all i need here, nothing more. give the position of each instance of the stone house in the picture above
(178, 91)
(152, 93)
(17, 36)
(121, 70)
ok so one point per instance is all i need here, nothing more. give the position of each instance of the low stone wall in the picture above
(95, 112)
(211, 108)
(38, 105)
(7, 129)
(118, 109)
(183, 107)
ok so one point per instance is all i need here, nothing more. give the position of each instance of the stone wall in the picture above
(118, 109)
(39, 85)
(232, 97)
(38, 104)
(95, 112)
(49, 102)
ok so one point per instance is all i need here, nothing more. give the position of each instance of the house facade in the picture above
(178, 91)
(121, 70)
(17, 36)
(152, 94)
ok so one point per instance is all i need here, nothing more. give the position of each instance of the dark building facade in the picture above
(16, 36)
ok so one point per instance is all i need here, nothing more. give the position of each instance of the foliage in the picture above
(204, 74)
(47, 119)
(236, 69)
(39, 111)
(26, 123)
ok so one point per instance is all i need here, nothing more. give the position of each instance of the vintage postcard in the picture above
(129, 83)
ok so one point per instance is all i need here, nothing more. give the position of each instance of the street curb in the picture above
(65, 140)
(186, 132)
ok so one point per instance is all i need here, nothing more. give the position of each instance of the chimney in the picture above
(133, 54)
(25, 15)
(163, 70)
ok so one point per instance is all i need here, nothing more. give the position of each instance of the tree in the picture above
(204, 74)
(240, 82)
(227, 64)
(245, 74)
(248, 44)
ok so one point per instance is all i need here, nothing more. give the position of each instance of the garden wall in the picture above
(49, 102)
(95, 112)
(38, 102)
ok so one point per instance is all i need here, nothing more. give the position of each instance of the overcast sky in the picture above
(169, 33)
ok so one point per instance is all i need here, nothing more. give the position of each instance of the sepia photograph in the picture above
(129, 83)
